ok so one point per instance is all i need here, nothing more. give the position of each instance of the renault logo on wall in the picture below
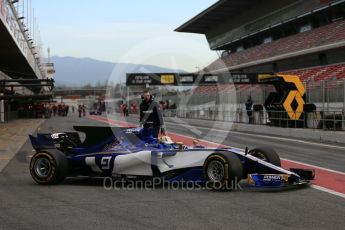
(294, 101)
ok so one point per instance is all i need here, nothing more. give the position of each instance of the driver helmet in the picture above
(166, 140)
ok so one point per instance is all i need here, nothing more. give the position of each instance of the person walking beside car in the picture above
(79, 110)
(151, 114)
(125, 110)
(249, 105)
(54, 109)
(83, 107)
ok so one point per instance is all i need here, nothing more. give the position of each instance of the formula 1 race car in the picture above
(124, 152)
(95, 112)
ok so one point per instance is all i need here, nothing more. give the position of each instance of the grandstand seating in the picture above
(315, 75)
(320, 73)
(316, 37)
(210, 89)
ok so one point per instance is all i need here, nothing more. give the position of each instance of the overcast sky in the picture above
(135, 31)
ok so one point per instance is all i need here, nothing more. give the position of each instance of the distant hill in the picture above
(71, 71)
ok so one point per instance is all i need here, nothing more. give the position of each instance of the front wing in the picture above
(280, 180)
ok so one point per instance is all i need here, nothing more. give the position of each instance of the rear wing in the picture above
(42, 141)
(96, 134)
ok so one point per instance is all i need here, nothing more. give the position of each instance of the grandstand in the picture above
(316, 38)
(306, 38)
(320, 73)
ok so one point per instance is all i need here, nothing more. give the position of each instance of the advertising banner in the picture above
(189, 79)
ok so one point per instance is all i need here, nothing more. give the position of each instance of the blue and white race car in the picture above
(124, 152)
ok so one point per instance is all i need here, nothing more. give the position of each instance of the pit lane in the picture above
(328, 180)
(85, 204)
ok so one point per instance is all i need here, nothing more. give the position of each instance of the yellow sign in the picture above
(168, 79)
(294, 96)
(296, 113)
(264, 76)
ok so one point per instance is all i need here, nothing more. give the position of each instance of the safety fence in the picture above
(334, 120)
(227, 103)
(327, 94)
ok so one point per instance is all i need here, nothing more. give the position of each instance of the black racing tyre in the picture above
(222, 171)
(267, 154)
(48, 168)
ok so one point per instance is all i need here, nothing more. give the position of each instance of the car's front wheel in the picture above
(222, 171)
(49, 167)
(266, 154)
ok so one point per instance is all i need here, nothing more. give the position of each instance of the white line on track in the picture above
(297, 162)
(328, 191)
(259, 135)
(314, 166)
(274, 138)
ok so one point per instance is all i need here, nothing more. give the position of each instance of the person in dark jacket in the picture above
(151, 114)
(249, 104)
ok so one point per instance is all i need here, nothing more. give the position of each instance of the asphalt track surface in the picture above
(216, 134)
(330, 156)
(85, 204)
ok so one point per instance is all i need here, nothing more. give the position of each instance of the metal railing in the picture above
(334, 120)
(328, 95)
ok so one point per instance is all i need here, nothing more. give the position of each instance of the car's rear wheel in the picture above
(49, 167)
(222, 171)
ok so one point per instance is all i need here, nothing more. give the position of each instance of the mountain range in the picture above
(72, 71)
